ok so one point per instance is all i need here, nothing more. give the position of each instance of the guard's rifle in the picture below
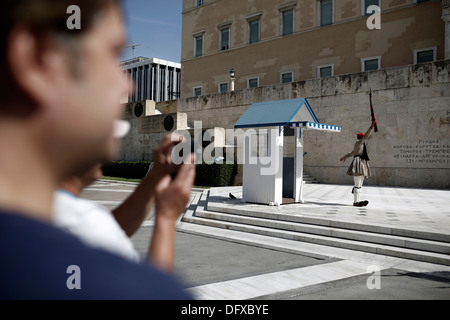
(372, 112)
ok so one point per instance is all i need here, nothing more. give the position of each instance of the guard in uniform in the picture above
(359, 168)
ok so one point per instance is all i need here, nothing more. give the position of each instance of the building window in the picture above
(225, 39)
(254, 31)
(368, 3)
(287, 22)
(198, 3)
(287, 77)
(223, 87)
(198, 46)
(288, 131)
(326, 12)
(325, 71)
(369, 64)
(197, 91)
(425, 55)
(259, 143)
(252, 83)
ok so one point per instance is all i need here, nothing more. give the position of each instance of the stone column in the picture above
(166, 84)
(135, 86)
(158, 83)
(298, 165)
(446, 18)
(148, 89)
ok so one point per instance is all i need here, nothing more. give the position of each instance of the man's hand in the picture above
(135, 209)
(171, 198)
(162, 158)
(172, 195)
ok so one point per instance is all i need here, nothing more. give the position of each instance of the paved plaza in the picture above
(220, 258)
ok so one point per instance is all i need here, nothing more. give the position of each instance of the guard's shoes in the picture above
(361, 203)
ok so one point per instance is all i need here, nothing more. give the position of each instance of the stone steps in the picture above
(402, 243)
(308, 179)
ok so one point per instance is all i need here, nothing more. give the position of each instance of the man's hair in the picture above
(46, 19)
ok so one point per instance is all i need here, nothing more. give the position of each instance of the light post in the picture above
(232, 78)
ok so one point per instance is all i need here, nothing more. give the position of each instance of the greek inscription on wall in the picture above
(150, 124)
(431, 152)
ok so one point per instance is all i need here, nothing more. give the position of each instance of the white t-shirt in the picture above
(93, 224)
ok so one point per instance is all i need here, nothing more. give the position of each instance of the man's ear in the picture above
(35, 65)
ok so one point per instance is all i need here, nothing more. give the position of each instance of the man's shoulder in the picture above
(66, 201)
(82, 216)
(42, 262)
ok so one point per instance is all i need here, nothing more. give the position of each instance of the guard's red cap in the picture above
(360, 135)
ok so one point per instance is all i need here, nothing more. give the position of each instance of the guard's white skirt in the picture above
(359, 167)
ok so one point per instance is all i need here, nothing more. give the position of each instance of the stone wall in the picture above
(412, 105)
(147, 129)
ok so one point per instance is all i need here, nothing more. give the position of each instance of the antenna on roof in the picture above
(133, 47)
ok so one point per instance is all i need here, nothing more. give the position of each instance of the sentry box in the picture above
(272, 174)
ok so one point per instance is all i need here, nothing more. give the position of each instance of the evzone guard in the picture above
(359, 168)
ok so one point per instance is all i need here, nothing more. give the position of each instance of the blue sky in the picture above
(156, 25)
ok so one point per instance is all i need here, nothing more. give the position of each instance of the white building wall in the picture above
(263, 178)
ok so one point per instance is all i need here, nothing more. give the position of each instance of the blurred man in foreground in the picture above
(60, 97)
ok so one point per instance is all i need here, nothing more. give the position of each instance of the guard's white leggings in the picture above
(358, 185)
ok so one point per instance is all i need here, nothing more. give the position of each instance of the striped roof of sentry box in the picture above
(294, 113)
(316, 126)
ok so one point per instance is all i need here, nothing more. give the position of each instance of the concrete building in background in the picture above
(269, 42)
(153, 79)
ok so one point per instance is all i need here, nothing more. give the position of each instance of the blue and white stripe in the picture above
(316, 126)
